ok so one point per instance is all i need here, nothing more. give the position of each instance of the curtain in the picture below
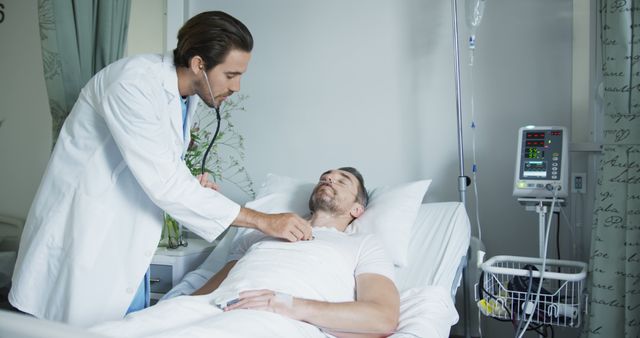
(614, 282)
(78, 38)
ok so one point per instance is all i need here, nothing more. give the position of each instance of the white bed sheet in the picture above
(438, 247)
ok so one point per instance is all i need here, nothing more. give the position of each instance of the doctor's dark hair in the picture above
(363, 195)
(211, 35)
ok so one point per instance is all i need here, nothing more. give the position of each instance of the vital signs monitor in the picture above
(542, 162)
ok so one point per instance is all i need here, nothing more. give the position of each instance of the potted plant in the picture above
(225, 161)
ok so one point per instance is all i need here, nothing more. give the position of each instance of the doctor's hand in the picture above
(204, 181)
(266, 300)
(288, 226)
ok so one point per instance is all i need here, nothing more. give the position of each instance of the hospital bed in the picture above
(436, 255)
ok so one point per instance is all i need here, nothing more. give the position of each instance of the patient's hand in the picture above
(204, 181)
(266, 300)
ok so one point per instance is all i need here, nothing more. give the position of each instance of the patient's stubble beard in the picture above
(324, 202)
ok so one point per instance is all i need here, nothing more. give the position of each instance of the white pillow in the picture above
(283, 184)
(391, 212)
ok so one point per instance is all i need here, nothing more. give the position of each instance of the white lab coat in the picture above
(97, 217)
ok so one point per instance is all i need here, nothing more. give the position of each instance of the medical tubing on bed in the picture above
(544, 260)
(215, 135)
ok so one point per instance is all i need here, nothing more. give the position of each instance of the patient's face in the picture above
(335, 192)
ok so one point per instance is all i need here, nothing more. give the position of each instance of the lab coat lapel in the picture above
(191, 110)
(170, 84)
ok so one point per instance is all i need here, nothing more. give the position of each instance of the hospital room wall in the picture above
(25, 134)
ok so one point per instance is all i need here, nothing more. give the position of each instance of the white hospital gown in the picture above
(321, 269)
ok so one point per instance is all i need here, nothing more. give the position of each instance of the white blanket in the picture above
(194, 316)
(424, 312)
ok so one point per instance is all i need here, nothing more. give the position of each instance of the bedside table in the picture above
(168, 266)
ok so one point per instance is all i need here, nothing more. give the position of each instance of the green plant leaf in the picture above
(220, 166)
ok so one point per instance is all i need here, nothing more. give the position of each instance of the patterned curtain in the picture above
(614, 282)
(78, 38)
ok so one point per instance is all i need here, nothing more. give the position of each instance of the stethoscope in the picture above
(181, 241)
(215, 135)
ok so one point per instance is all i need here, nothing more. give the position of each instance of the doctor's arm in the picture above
(286, 225)
(375, 312)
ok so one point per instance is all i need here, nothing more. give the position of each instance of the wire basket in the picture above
(507, 290)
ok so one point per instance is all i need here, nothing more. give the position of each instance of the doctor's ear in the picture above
(196, 64)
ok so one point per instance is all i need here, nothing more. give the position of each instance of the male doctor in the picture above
(97, 216)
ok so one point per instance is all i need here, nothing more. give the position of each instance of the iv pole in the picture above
(463, 180)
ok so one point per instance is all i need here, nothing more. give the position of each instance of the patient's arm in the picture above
(374, 313)
(215, 281)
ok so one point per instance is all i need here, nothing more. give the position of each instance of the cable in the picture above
(480, 323)
(526, 297)
(558, 243)
(557, 213)
(544, 259)
(537, 329)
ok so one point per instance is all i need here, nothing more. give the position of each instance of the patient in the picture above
(339, 283)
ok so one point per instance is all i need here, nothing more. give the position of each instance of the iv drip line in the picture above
(474, 168)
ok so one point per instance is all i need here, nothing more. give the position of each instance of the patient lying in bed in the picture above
(339, 283)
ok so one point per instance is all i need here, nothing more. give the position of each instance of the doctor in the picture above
(97, 217)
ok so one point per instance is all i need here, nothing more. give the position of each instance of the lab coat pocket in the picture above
(92, 221)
